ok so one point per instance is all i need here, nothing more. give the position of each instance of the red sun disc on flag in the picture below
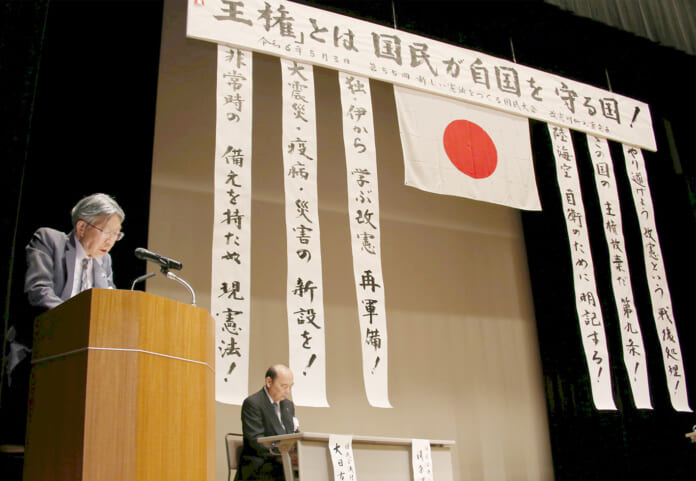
(470, 149)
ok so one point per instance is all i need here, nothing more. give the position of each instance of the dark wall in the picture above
(78, 101)
(92, 121)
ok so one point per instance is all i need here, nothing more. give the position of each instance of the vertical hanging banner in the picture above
(341, 448)
(587, 304)
(363, 212)
(230, 293)
(634, 354)
(305, 298)
(657, 279)
(421, 460)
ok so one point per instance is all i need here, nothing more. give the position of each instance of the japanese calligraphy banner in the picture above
(421, 460)
(305, 298)
(587, 303)
(315, 36)
(457, 148)
(341, 449)
(230, 298)
(657, 279)
(634, 355)
(363, 211)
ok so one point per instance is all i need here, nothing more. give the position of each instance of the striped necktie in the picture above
(84, 277)
(276, 406)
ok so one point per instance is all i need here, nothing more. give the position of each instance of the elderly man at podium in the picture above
(266, 413)
(60, 265)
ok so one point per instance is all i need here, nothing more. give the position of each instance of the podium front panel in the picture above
(122, 389)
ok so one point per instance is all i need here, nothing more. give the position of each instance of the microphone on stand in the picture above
(161, 260)
(166, 263)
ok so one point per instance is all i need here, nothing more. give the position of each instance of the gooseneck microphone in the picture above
(161, 260)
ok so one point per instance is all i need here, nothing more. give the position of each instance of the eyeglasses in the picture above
(117, 236)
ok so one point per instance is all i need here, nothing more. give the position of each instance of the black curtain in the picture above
(628, 443)
(78, 98)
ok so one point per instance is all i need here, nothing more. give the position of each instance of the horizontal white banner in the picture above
(338, 42)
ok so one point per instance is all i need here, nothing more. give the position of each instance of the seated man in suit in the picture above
(61, 265)
(266, 413)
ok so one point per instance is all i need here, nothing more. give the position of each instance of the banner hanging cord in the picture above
(606, 74)
(512, 49)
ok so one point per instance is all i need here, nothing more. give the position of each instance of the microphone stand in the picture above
(171, 275)
(142, 278)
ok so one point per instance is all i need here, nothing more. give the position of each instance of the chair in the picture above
(234, 443)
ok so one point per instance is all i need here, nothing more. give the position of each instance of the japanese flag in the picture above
(456, 148)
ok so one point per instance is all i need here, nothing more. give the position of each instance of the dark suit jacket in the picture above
(258, 420)
(51, 268)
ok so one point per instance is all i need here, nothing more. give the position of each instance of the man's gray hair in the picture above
(93, 206)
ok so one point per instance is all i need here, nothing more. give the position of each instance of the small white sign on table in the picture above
(422, 460)
(341, 448)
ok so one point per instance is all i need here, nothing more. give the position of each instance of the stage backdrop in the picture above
(463, 352)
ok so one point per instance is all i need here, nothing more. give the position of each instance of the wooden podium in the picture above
(122, 388)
